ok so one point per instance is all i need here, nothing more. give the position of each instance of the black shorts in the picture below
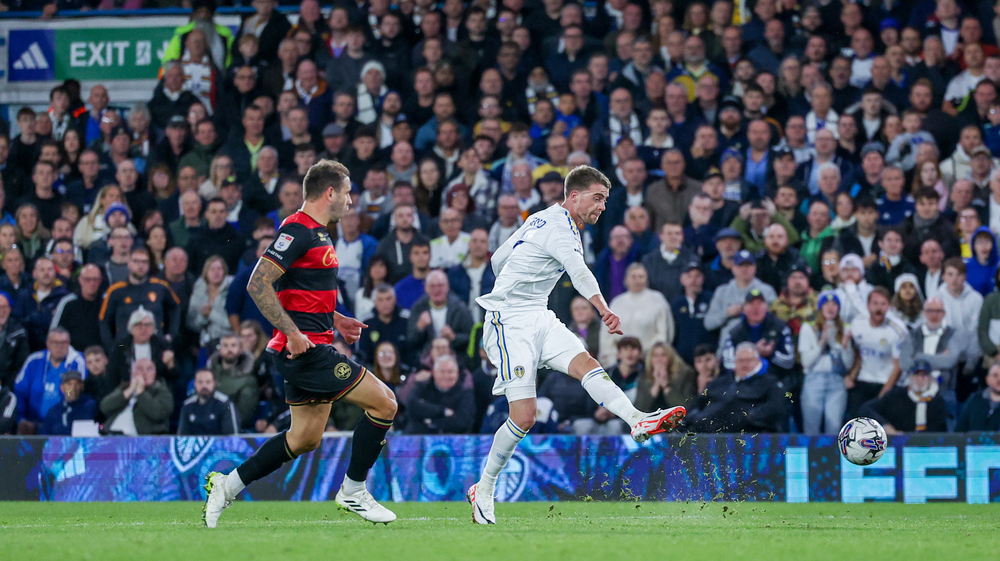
(320, 375)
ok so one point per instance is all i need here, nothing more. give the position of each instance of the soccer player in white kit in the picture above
(521, 334)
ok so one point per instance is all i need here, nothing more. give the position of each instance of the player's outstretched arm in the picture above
(261, 289)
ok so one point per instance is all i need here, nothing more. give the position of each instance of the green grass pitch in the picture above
(577, 531)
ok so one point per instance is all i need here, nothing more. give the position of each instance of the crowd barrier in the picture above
(791, 468)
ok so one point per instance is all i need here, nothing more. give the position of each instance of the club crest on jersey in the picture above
(536, 223)
(342, 371)
(283, 242)
(519, 371)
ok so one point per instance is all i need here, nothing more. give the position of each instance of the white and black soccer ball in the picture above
(862, 441)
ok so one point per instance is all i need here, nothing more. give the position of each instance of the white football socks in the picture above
(609, 396)
(233, 485)
(504, 443)
(352, 487)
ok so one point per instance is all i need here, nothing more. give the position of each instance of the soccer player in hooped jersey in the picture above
(521, 334)
(295, 286)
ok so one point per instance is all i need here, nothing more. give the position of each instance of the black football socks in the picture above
(369, 438)
(267, 459)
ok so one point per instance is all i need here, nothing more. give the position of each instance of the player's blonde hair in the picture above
(583, 178)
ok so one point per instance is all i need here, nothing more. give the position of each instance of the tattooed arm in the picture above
(261, 289)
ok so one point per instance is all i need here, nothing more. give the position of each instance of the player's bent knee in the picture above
(522, 413)
(381, 403)
(523, 420)
(386, 408)
(311, 444)
(582, 364)
(303, 444)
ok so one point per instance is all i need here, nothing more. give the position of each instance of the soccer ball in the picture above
(862, 441)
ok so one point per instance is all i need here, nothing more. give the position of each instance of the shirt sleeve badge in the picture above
(283, 242)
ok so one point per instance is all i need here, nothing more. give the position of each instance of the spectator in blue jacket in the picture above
(666, 261)
(609, 269)
(207, 412)
(982, 410)
(749, 399)
(476, 264)
(699, 230)
(444, 110)
(239, 146)
(689, 311)
(241, 216)
(314, 93)
(411, 287)
(770, 336)
(719, 271)
(894, 206)
(75, 406)
(388, 324)
(34, 305)
(981, 267)
(37, 386)
(991, 130)
(13, 342)
(619, 200)
(441, 405)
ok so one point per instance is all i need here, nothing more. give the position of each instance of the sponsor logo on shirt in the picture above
(283, 242)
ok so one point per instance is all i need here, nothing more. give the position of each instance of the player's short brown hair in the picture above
(583, 178)
(323, 175)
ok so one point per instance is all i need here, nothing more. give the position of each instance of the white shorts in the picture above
(518, 343)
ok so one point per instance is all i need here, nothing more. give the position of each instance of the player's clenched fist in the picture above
(298, 344)
(611, 320)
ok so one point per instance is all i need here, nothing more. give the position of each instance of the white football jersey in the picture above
(530, 263)
(878, 347)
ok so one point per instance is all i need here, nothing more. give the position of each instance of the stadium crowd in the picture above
(803, 224)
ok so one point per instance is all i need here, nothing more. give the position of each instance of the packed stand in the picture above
(802, 225)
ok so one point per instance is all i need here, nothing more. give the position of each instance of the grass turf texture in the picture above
(526, 531)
